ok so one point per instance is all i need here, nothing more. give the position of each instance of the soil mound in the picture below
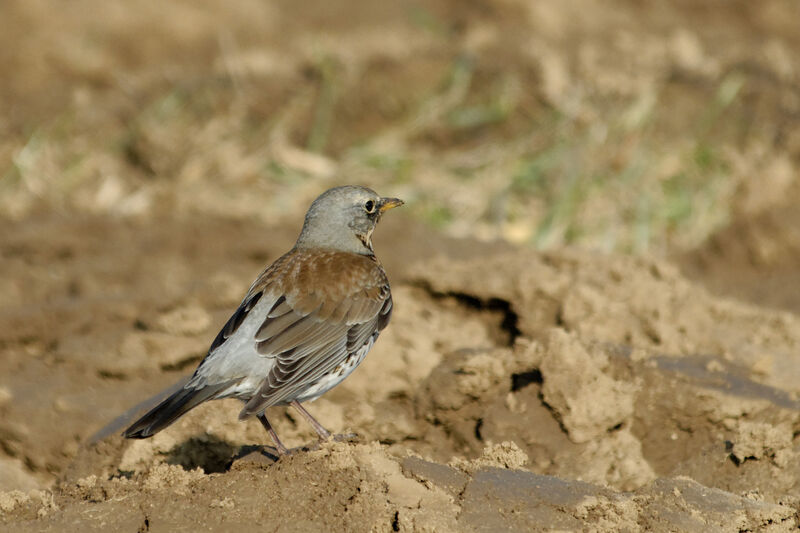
(514, 389)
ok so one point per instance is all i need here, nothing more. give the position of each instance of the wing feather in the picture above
(279, 308)
(288, 379)
(274, 327)
(306, 331)
(324, 327)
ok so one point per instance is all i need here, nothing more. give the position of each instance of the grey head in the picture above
(343, 219)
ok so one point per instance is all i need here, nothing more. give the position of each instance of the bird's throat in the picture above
(366, 240)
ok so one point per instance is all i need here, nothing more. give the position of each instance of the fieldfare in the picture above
(305, 324)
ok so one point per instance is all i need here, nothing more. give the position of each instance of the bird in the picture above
(305, 324)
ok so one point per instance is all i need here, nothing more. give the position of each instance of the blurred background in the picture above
(628, 126)
(155, 142)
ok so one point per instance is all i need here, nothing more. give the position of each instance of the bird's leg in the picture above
(323, 433)
(282, 450)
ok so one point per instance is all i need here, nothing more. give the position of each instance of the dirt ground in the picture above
(537, 374)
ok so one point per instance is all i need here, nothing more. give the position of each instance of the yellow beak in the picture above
(389, 203)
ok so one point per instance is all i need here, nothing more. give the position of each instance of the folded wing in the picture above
(311, 334)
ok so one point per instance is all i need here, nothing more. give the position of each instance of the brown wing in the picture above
(332, 305)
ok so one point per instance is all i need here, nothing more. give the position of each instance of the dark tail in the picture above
(171, 409)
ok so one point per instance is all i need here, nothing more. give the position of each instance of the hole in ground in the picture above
(523, 379)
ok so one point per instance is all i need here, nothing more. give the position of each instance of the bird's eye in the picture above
(369, 206)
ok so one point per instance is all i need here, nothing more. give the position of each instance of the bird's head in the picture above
(343, 219)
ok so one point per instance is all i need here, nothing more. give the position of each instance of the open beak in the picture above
(388, 203)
